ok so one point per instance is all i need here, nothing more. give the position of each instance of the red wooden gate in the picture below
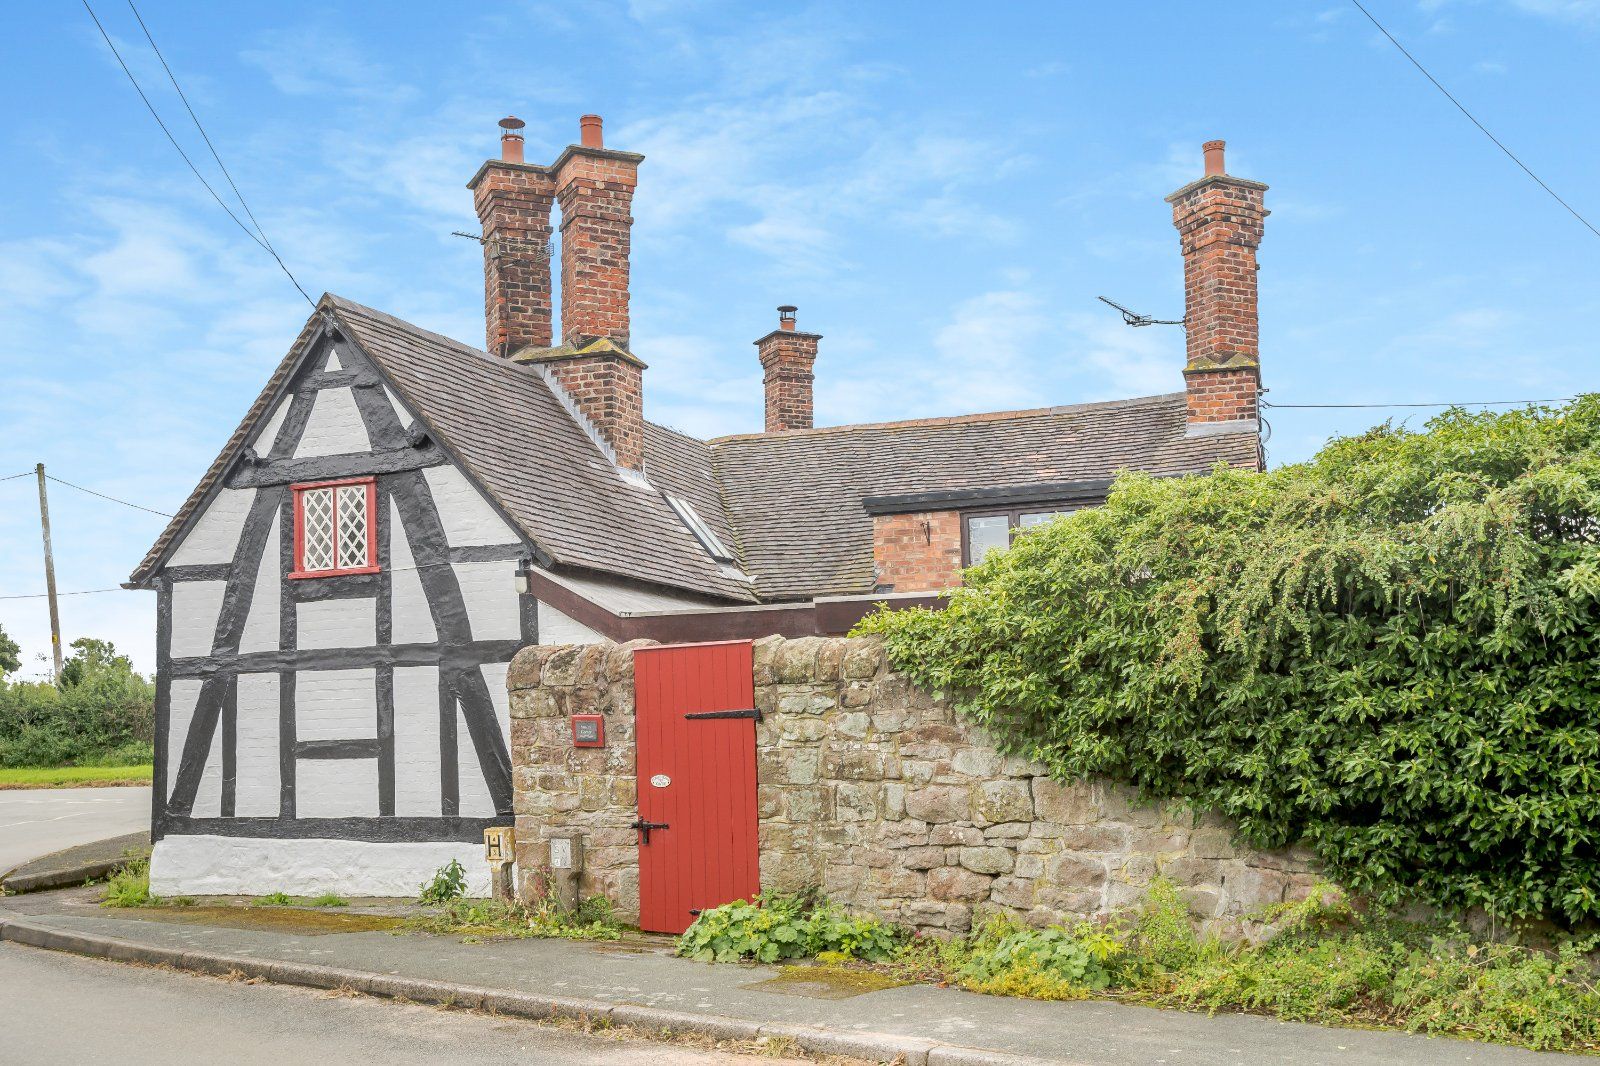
(695, 737)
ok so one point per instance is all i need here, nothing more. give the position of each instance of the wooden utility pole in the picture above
(49, 572)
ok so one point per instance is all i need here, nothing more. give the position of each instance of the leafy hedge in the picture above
(1387, 652)
(102, 712)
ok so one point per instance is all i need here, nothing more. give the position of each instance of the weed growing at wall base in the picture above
(1388, 652)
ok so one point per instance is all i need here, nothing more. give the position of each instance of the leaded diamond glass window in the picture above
(334, 531)
(352, 526)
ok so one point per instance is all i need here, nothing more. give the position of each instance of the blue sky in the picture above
(942, 188)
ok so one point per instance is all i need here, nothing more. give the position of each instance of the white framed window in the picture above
(335, 528)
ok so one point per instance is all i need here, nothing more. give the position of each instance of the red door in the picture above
(695, 736)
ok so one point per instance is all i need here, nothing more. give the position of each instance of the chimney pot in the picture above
(786, 316)
(511, 139)
(589, 134)
(1213, 151)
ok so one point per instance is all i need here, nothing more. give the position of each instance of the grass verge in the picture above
(1330, 963)
(73, 776)
(476, 920)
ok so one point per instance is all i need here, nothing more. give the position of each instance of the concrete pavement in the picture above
(37, 821)
(61, 1008)
(634, 983)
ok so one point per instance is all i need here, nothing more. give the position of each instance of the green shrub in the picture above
(592, 919)
(1388, 652)
(449, 882)
(273, 899)
(128, 886)
(1054, 963)
(102, 713)
(775, 928)
(330, 899)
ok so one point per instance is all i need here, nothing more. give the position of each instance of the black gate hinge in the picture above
(748, 712)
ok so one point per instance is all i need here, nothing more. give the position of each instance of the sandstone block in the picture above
(955, 835)
(923, 857)
(1003, 801)
(862, 659)
(856, 802)
(976, 762)
(1065, 804)
(938, 803)
(954, 883)
(986, 860)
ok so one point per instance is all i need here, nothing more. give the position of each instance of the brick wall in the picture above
(1220, 222)
(608, 388)
(917, 552)
(595, 189)
(513, 202)
(880, 795)
(787, 357)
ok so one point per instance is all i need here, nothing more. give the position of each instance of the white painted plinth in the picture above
(251, 866)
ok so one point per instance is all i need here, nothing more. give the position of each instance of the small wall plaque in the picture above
(661, 781)
(588, 731)
(499, 844)
(560, 853)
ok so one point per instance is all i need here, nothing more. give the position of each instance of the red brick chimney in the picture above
(1220, 220)
(787, 356)
(605, 382)
(513, 200)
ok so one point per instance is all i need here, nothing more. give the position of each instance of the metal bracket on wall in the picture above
(749, 712)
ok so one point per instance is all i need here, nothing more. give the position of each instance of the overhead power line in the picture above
(103, 496)
(1459, 403)
(1462, 108)
(260, 240)
(13, 477)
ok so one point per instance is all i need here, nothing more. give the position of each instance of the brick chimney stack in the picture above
(1220, 220)
(591, 365)
(513, 200)
(787, 356)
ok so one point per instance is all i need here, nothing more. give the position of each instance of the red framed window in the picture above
(335, 528)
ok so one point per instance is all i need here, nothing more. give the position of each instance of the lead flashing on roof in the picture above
(956, 499)
(1222, 429)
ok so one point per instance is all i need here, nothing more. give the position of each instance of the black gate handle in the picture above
(644, 828)
(748, 712)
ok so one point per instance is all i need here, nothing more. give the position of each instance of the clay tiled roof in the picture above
(796, 498)
(790, 504)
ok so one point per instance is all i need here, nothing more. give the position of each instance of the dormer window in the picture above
(335, 531)
(702, 532)
(991, 531)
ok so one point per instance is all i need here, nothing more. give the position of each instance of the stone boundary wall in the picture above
(876, 793)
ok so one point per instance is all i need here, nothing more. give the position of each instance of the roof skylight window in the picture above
(702, 532)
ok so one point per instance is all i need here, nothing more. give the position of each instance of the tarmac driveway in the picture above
(37, 821)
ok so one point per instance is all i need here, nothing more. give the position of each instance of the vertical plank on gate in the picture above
(708, 854)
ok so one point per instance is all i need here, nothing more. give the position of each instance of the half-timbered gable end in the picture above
(399, 512)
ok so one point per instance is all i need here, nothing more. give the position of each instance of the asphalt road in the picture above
(62, 1009)
(37, 821)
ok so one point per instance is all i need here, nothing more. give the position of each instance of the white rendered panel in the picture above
(472, 791)
(333, 362)
(214, 537)
(400, 412)
(467, 517)
(268, 435)
(557, 628)
(261, 624)
(255, 866)
(208, 797)
(257, 788)
(180, 711)
(412, 621)
(416, 741)
(335, 426)
(336, 788)
(195, 607)
(335, 705)
(349, 623)
(494, 676)
(489, 590)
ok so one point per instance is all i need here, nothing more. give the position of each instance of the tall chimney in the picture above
(513, 200)
(787, 356)
(594, 186)
(1220, 220)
